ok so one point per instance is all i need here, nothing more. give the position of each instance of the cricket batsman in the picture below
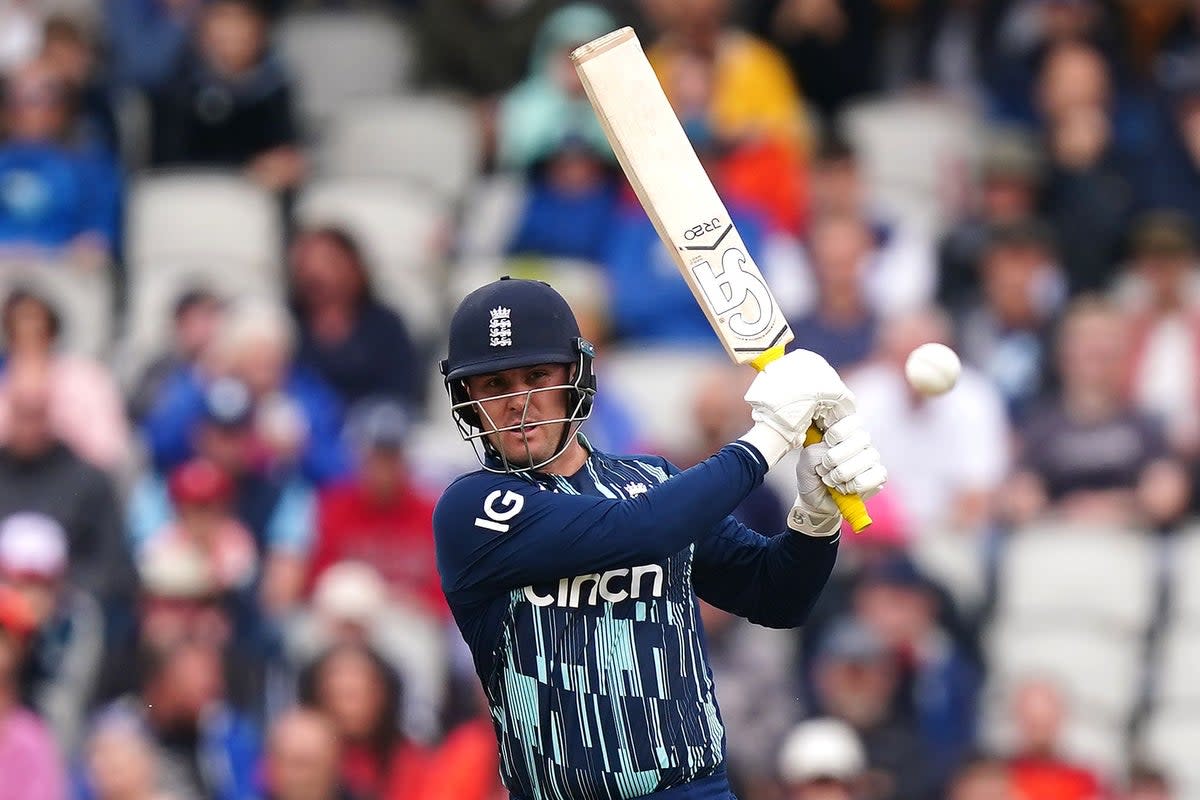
(574, 574)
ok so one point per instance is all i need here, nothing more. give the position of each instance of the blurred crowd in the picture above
(230, 235)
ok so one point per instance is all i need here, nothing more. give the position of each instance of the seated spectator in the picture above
(202, 495)
(65, 650)
(902, 607)
(1010, 175)
(1038, 768)
(856, 682)
(841, 327)
(759, 161)
(70, 50)
(649, 304)
(358, 345)
(956, 489)
(86, 409)
(356, 688)
(31, 765)
(202, 747)
(40, 473)
(1088, 194)
(720, 415)
(379, 516)
(350, 605)
(196, 318)
(1165, 327)
(549, 105)
(277, 506)
(822, 759)
(983, 778)
(1088, 455)
(901, 271)
(303, 757)
(118, 763)
(58, 200)
(229, 102)
(1005, 332)
(297, 416)
(570, 203)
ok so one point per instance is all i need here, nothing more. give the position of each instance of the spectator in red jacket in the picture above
(378, 516)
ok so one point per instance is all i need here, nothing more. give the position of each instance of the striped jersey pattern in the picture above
(601, 689)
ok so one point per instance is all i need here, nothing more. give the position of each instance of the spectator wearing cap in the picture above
(380, 516)
(298, 418)
(1164, 363)
(40, 473)
(277, 506)
(938, 676)
(229, 101)
(822, 759)
(1010, 174)
(196, 317)
(1088, 456)
(358, 345)
(201, 494)
(856, 680)
(1006, 331)
(31, 765)
(66, 647)
(86, 409)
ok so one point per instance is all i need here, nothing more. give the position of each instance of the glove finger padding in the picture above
(845, 428)
(843, 451)
(865, 484)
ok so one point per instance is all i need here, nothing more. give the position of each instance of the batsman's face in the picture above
(524, 410)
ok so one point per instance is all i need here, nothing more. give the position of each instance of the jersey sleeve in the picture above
(500, 532)
(770, 580)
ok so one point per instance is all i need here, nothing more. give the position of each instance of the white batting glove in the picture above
(796, 390)
(844, 460)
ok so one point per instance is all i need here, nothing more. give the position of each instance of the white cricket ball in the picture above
(932, 369)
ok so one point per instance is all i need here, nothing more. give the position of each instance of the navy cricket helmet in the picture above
(512, 323)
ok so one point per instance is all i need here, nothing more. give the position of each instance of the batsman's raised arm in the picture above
(573, 574)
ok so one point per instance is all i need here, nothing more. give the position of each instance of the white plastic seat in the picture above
(491, 211)
(403, 233)
(82, 297)
(1183, 573)
(1098, 670)
(1052, 574)
(432, 142)
(1177, 667)
(338, 57)
(1170, 740)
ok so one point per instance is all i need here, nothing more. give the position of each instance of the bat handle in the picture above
(851, 505)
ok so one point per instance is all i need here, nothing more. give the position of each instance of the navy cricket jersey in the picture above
(577, 597)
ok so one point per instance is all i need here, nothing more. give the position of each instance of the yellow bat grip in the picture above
(851, 505)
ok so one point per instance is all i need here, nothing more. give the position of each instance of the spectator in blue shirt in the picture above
(56, 198)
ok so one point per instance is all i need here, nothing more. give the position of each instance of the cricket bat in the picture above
(688, 214)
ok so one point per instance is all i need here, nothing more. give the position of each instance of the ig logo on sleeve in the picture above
(498, 508)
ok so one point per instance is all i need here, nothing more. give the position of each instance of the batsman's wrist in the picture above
(769, 442)
(802, 520)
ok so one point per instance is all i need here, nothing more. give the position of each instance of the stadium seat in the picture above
(658, 385)
(957, 560)
(1099, 670)
(1170, 740)
(491, 211)
(187, 228)
(1176, 668)
(83, 298)
(404, 234)
(1184, 567)
(1055, 573)
(432, 142)
(338, 57)
(917, 155)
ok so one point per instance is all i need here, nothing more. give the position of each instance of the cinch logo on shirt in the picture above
(612, 586)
